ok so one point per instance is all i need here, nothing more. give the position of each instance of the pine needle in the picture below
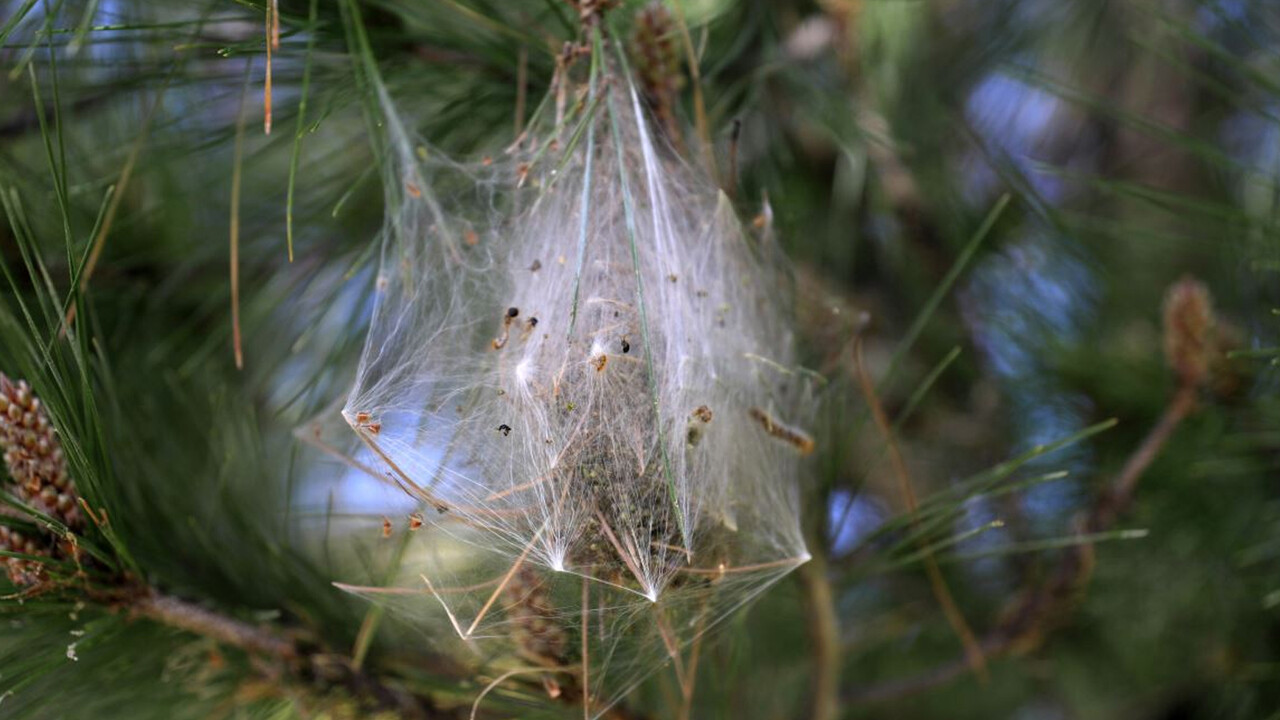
(944, 287)
(237, 171)
(298, 129)
(273, 43)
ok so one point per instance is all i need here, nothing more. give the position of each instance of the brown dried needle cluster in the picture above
(38, 470)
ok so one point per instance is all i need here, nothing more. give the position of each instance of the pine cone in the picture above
(38, 470)
(22, 572)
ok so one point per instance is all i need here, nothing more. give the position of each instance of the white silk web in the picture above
(580, 365)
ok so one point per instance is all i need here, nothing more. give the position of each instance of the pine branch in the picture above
(1192, 351)
(171, 611)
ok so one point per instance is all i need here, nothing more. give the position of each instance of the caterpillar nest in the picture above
(580, 366)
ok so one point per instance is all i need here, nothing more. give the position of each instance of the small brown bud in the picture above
(1189, 331)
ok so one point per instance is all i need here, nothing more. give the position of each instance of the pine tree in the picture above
(632, 359)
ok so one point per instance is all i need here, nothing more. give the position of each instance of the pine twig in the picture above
(170, 611)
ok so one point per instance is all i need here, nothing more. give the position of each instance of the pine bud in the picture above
(1189, 331)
